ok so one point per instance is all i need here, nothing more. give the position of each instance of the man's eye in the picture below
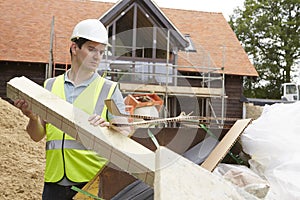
(92, 49)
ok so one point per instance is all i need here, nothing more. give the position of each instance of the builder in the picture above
(68, 163)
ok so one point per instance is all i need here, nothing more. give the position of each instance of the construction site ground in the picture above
(22, 160)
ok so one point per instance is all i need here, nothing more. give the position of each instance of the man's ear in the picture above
(73, 48)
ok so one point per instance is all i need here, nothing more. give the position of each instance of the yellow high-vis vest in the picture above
(64, 155)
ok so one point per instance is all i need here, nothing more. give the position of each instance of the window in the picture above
(191, 47)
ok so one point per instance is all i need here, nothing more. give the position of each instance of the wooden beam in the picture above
(209, 92)
(122, 151)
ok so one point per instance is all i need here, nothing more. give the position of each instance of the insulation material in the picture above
(244, 178)
(273, 142)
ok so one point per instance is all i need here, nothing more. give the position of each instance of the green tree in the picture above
(269, 33)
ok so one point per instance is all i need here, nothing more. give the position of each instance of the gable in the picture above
(146, 10)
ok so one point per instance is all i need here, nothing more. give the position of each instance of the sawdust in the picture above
(22, 160)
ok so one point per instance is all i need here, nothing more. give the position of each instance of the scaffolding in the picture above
(142, 78)
(163, 78)
(58, 53)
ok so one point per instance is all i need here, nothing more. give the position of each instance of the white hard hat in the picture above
(91, 29)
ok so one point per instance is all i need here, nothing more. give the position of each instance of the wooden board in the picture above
(120, 150)
(207, 92)
(219, 152)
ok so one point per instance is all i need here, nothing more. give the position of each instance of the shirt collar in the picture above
(85, 83)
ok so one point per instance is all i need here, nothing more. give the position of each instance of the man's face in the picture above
(90, 55)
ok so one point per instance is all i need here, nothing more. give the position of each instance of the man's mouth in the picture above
(94, 63)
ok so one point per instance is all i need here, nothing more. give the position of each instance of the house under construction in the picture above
(191, 59)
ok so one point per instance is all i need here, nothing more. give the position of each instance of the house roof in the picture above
(214, 38)
(25, 33)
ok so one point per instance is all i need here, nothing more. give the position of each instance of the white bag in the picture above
(273, 142)
(244, 178)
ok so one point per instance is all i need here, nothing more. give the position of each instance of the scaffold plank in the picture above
(172, 90)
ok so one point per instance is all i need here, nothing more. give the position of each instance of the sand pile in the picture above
(22, 160)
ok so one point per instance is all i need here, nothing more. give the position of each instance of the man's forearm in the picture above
(36, 128)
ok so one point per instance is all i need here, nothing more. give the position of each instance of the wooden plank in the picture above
(171, 89)
(91, 187)
(122, 151)
(225, 144)
(179, 178)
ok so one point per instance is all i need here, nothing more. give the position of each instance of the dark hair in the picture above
(79, 41)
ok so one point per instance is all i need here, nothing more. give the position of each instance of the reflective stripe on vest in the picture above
(64, 155)
(49, 83)
(68, 144)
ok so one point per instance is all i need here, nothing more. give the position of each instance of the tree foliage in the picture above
(269, 33)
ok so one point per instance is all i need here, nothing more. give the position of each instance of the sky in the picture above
(224, 6)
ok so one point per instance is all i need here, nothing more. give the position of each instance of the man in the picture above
(68, 163)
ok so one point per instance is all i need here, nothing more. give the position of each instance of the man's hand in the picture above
(96, 120)
(126, 130)
(23, 106)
